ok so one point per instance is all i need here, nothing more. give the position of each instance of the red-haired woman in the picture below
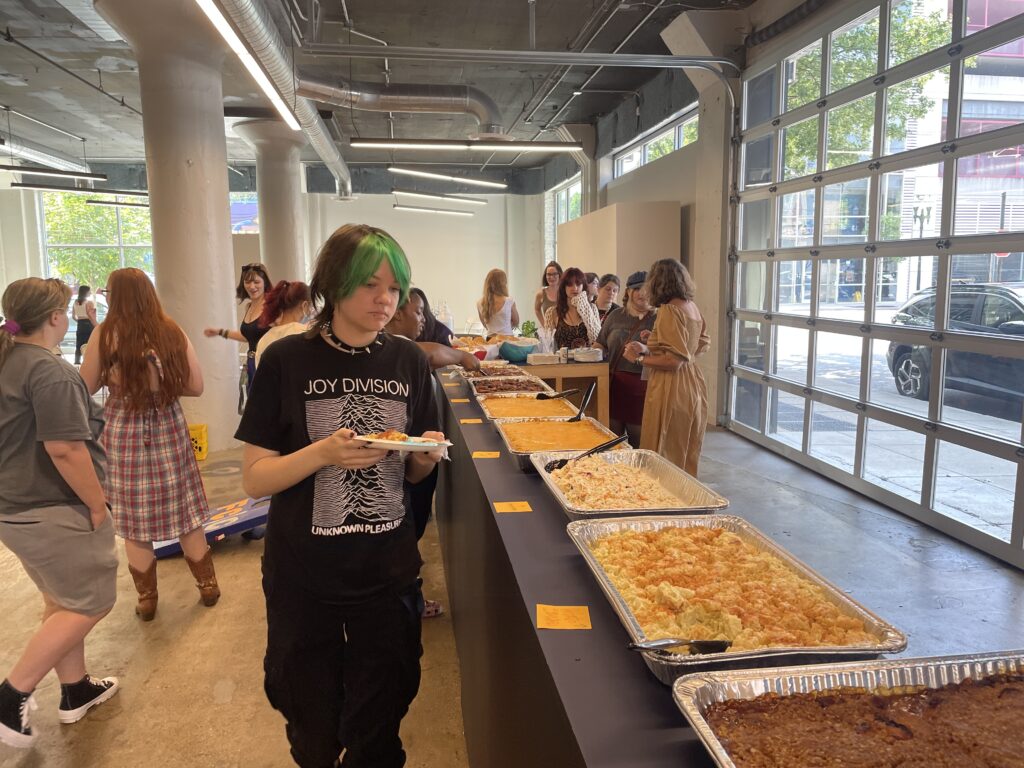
(573, 318)
(286, 311)
(153, 482)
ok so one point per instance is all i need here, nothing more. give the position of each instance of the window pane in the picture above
(984, 392)
(750, 344)
(786, 418)
(244, 212)
(757, 162)
(660, 146)
(793, 292)
(841, 291)
(796, 219)
(993, 89)
(975, 488)
(916, 28)
(140, 258)
(800, 149)
(844, 215)
(990, 192)
(897, 283)
(894, 459)
(135, 227)
(791, 353)
(850, 131)
(71, 221)
(83, 266)
(752, 279)
(689, 132)
(914, 112)
(837, 363)
(854, 51)
(803, 77)
(575, 196)
(982, 14)
(761, 101)
(833, 436)
(911, 203)
(754, 220)
(560, 207)
(746, 406)
(629, 161)
(989, 267)
(898, 379)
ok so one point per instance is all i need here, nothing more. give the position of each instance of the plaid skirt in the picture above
(153, 482)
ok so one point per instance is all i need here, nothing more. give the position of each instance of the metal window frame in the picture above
(673, 123)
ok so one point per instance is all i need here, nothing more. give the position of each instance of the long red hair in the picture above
(135, 324)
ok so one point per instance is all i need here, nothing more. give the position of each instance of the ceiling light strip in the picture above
(40, 171)
(467, 145)
(213, 13)
(429, 196)
(77, 190)
(446, 177)
(40, 122)
(445, 211)
(117, 203)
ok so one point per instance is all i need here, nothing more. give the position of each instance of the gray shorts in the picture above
(64, 556)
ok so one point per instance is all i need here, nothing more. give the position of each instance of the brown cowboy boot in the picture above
(145, 585)
(206, 578)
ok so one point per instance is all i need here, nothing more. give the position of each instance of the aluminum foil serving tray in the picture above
(483, 406)
(523, 457)
(694, 694)
(668, 666)
(545, 387)
(694, 495)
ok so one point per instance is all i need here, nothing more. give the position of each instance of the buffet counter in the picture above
(572, 375)
(537, 697)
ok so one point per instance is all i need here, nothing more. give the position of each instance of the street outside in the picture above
(971, 487)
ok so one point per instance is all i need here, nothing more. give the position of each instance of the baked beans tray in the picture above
(669, 666)
(537, 385)
(522, 458)
(694, 496)
(695, 693)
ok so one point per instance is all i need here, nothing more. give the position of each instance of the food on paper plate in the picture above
(594, 483)
(390, 434)
(541, 435)
(525, 407)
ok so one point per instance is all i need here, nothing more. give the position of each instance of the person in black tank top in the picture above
(253, 284)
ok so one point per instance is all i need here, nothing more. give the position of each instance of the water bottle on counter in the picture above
(445, 315)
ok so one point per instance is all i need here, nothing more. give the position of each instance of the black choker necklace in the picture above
(351, 350)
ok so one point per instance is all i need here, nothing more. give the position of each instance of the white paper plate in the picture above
(400, 445)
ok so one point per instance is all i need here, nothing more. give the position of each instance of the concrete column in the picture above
(279, 189)
(181, 59)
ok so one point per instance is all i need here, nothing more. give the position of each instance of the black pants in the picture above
(421, 501)
(83, 330)
(342, 676)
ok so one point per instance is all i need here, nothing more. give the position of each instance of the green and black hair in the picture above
(349, 258)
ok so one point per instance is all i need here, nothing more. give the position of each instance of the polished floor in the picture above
(192, 679)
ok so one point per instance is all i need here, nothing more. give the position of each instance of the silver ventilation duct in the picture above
(399, 97)
(256, 27)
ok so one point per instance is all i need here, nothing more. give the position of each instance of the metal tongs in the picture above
(555, 395)
(551, 466)
(695, 646)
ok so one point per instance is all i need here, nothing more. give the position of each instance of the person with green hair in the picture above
(341, 565)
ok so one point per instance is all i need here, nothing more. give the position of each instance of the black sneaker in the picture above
(14, 712)
(78, 698)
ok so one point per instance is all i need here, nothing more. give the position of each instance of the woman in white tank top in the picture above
(496, 308)
(83, 312)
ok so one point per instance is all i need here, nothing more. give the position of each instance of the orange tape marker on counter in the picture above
(563, 616)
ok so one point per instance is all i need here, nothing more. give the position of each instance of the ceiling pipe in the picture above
(408, 97)
(255, 26)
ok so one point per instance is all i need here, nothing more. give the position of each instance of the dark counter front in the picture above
(532, 697)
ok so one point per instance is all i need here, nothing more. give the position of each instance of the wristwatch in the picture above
(640, 358)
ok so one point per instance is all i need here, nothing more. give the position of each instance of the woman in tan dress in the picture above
(676, 408)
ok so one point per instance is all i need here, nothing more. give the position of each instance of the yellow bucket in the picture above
(200, 440)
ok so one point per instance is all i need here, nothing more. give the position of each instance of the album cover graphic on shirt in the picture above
(357, 500)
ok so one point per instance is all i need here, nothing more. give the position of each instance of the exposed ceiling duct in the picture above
(254, 24)
(409, 97)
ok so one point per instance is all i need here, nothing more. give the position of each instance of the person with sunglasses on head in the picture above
(253, 284)
(53, 511)
(548, 294)
(341, 566)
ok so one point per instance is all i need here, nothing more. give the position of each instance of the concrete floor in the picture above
(192, 679)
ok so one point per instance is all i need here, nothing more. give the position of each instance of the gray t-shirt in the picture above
(618, 328)
(42, 397)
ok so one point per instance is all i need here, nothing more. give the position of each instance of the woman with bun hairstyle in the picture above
(53, 512)
(286, 310)
(145, 360)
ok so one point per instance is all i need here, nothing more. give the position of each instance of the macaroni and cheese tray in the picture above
(588, 432)
(520, 405)
(699, 695)
(863, 635)
(493, 385)
(617, 483)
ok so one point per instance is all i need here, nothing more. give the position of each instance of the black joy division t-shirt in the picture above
(341, 534)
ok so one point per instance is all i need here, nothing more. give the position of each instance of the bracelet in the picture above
(640, 358)
(223, 333)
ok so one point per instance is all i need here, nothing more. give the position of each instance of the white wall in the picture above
(450, 255)
(21, 252)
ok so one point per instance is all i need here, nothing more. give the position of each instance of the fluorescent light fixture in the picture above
(429, 196)
(15, 147)
(38, 171)
(117, 204)
(77, 190)
(40, 122)
(398, 207)
(445, 177)
(467, 144)
(218, 20)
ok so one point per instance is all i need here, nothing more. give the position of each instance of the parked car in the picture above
(986, 308)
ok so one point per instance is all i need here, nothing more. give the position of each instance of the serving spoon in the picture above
(555, 395)
(696, 646)
(554, 464)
